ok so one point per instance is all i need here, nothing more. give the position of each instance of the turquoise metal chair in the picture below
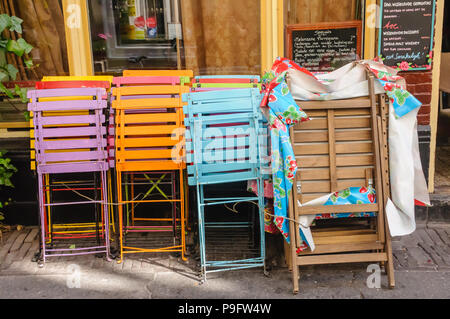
(225, 144)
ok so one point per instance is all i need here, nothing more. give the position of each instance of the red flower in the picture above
(371, 198)
(404, 66)
(363, 190)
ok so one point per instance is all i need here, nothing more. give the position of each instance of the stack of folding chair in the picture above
(149, 153)
(223, 148)
(343, 151)
(71, 158)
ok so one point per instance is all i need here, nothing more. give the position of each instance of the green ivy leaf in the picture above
(3, 43)
(16, 24)
(4, 76)
(28, 63)
(25, 45)
(5, 22)
(6, 91)
(12, 71)
(22, 93)
(13, 46)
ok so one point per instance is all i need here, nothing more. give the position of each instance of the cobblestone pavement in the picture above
(421, 260)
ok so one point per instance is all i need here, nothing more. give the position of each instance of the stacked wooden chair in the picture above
(149, 150)
(223, 148)
(344, 145)
(70, 148)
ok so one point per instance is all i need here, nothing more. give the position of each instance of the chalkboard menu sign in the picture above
(324, 47)
(406, 34)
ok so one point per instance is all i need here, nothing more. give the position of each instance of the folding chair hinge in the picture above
(299, 187)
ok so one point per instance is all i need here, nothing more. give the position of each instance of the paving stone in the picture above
(400, 258)
(32, 235)
(19, 240)
(32, 251)
(432, 253)
(434, 236)
(22, 252)
(127, 264)
(136, 265)
(418, 259)
(442, 234)
(411, 240)
(117, 266)
(426, 239)
(7, 245)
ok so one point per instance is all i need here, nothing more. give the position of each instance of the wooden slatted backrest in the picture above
(333, 149)
(336, 150)
(149, 123)
(222, 136)
(68, 129)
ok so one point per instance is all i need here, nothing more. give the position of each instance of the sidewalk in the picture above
(421, 260)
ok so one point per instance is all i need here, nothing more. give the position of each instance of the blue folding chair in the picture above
(225, 138)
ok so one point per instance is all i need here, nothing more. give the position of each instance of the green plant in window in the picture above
(6, 172)
(19, 47)
(8, 72)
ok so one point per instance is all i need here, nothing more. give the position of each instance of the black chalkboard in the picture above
(324, 47)
(406, 34)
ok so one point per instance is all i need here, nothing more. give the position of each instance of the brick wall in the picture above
(419, 85)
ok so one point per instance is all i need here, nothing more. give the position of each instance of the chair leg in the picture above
(104, 182)
(287, 254)
(182, 216)
(120, 210)
(42, 212)
(201, 234)
(389, 263)
(295, 270)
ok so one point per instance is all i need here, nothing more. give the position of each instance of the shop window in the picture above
(206, 36)
(307, 11)
(43, 28)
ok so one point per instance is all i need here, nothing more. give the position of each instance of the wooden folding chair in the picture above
(223, 146)
(149, 154)
(344, 145)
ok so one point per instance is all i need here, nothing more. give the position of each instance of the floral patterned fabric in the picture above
(395, 88)
(348, 196)
(283, 113)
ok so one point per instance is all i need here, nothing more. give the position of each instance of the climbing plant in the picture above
(10, 44)
(6, 172)
(21, 48)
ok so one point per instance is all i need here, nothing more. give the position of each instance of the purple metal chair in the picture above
(70, 137)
